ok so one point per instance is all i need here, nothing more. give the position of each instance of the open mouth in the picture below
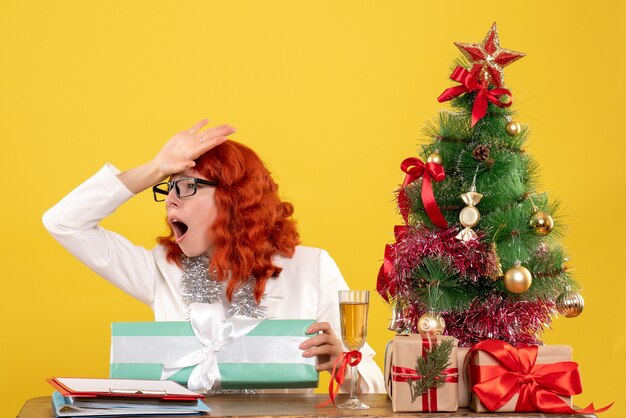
(180, 228)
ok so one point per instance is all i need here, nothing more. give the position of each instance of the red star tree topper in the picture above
(488, 58)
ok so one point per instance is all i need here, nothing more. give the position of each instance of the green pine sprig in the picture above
(430, 368)
(439, 287)
(550, 273)
(450, 128)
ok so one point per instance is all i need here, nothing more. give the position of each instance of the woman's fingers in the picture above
(320, 326)
(326, 355)
(315, 341)
(195, 128)
(222, 130)
(184, 147)
(211, 138)
(205, 146)
(325, 345)
(319, 350)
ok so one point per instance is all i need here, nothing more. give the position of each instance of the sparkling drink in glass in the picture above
(353, 306)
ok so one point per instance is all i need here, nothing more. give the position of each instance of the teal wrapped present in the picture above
(208, 352)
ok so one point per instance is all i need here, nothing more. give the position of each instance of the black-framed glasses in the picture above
(184, 187)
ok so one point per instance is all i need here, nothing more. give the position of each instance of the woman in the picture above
(232, 242)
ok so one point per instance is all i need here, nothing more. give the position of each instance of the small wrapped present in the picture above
(421, 373)
(209, 352)
(504, 378)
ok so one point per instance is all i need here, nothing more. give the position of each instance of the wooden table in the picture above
(294, 406)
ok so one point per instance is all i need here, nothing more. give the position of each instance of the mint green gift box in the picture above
(266, 357)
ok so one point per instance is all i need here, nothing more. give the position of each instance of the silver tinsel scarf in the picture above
(200, 285)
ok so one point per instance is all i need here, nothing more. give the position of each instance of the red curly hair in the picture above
(252, 223)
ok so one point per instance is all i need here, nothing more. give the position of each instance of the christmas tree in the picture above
(478, 255)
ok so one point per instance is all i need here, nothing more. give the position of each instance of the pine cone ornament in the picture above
(480, 153)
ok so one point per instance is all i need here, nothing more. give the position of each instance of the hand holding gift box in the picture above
(210, 352)
(524, 379)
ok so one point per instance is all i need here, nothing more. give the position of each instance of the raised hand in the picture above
(179, 153)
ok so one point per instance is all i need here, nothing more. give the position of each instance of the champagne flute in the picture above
(353, 305)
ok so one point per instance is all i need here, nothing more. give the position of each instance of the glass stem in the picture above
(355, 376)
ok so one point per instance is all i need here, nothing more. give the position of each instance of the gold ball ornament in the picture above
(431, 323)
(517, 279)
(570, 303)
(513, 128)
(541, 223)
(435, 158)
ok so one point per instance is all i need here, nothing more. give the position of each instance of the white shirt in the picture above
(305, 289)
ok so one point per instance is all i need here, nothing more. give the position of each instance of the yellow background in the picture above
(333, 95)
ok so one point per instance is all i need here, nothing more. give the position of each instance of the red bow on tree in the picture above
(538, 385)
(469, 84)
(414, 169)
(384, 285)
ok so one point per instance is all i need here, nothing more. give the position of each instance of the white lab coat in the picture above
(306, 288)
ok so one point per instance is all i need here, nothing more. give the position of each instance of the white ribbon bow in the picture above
(214, 332)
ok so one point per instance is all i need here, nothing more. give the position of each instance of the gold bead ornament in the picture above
(540, 222)
(435, 158)
(431, 323)
(512, 128)
(517, 279)
(570, 303)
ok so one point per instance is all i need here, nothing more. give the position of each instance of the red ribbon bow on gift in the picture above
(348, 358)
(469, 83)
(414, 169)
(538, 385)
